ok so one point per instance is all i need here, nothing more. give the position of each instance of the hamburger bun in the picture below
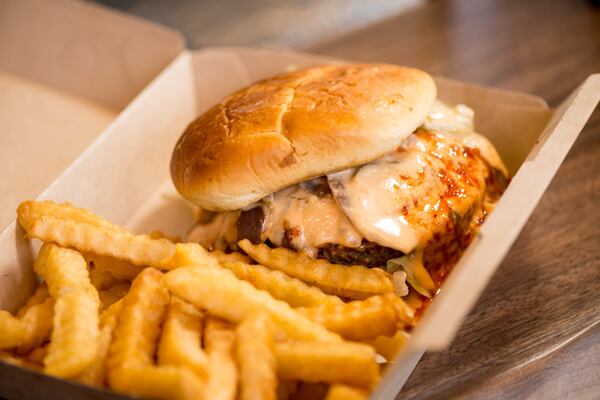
(297, 126)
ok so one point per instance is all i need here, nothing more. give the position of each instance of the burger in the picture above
(357, 164)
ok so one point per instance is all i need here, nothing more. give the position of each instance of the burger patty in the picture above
(368, 254)
(251, 223)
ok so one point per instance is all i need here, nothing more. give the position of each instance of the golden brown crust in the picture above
(297, 126)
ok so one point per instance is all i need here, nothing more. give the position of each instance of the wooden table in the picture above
(535, 333)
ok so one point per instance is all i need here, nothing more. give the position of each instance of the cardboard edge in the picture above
(440, 324)
(588, 92)
(534, 100)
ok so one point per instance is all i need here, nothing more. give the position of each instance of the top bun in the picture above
(297, 126)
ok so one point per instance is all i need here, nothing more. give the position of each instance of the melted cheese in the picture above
(458, 122)
(308, 220)
(405, 198)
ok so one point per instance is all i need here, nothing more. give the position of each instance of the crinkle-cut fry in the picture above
(355, 282)
(12, 330)
(181, 342)
(139, 321)
(120, 269)
(362, 319)
(390, 346)
(222, 294)
(75, 332)
(95, 375)
(102, 280)
(64, 270)
(38, 325)
(163, 382)
(131, 353)
(291, 290)
(189, 254)
(254, 353)
(9, 358)
(63, 224)
(219, 335)
(345, 392)
(30, 211)
(219, 338)
(138, 249)
(39, 296)
(29, 331)
(110, 313)
(338, 362)
(75, 324)
(230, 257)
(113, 294)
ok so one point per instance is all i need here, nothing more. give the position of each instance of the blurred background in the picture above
(265, 23)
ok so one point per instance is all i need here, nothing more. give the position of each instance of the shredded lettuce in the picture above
(416, 274)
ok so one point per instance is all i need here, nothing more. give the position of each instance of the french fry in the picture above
(39, 296)
(37, 321)
(138, 328)
(355, 282)
(180, 342)
(12, 330)
(338, 362)
(223, 377)
(131, 353)
(189, 254)
(138, 249)
(95, 375)
(78, 228)
(72, 346)
(222, 294)
(9, 358)
(113, 294)
(164, 382)
(230, 257)
(64, 270)
(254, 351)
(30, 211)
(344, 392)
(362, 319)
(291, 290)
(29, 331)
(390, 346)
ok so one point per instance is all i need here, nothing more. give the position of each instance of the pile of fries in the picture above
(146, 316)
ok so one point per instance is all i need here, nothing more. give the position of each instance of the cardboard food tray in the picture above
(124, 176)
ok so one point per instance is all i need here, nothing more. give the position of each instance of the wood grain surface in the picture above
(535, 333)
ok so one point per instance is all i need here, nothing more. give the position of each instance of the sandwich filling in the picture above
(424, 201)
